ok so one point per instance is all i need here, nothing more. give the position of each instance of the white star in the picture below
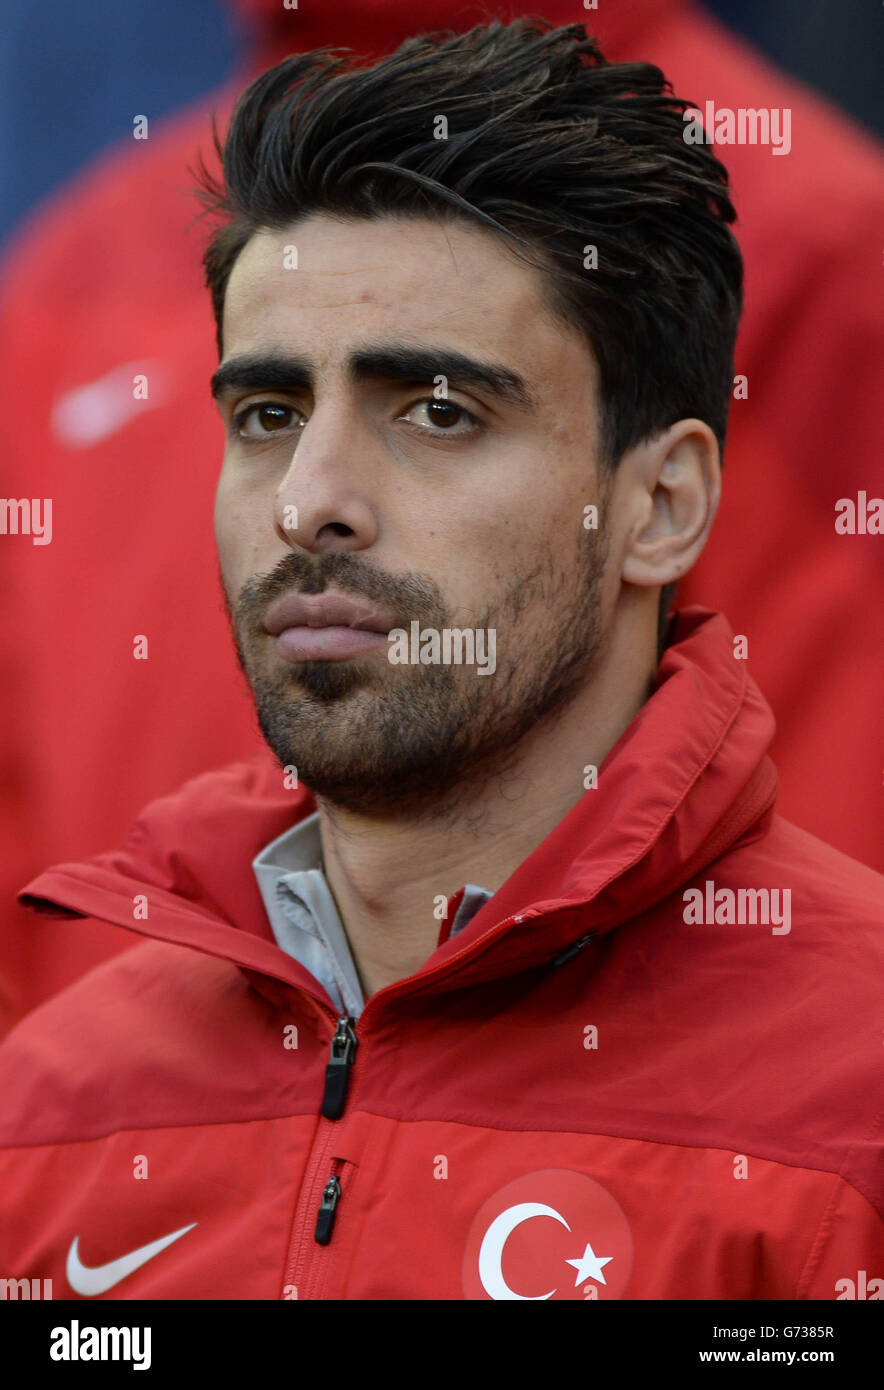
(589, 1266)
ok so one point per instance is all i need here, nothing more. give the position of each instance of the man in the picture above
(79, 429)
(506, 980)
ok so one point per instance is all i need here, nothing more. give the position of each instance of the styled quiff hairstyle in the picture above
(550, 147)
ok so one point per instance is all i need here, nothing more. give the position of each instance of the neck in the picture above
(387, 875)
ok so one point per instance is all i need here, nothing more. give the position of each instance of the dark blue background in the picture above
(151, 56)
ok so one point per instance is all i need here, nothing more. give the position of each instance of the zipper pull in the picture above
(573, 950)
(325, 1219)
(337, 1073)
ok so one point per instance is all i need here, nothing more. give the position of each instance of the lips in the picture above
(325, 610)
(326, 627)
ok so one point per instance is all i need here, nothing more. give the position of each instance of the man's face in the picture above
(346, 476)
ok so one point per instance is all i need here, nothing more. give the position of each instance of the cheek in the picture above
(236, 533)
(224, 527)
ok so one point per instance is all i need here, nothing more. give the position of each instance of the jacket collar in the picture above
(686, 780)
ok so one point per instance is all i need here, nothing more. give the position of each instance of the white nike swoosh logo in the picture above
(90, 1282)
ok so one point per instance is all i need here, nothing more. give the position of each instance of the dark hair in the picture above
(551, 147)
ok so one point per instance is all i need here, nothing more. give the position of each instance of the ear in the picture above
(673, 483)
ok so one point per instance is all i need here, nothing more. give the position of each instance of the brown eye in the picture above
(443, 415)
(268, 417)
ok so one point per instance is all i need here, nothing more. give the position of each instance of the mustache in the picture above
(414, 595)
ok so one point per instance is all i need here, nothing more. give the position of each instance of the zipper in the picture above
(321, 1267)
(573, 950)
(325, 1221)
(337, 1073)
(301, 1243)
(322, 1190)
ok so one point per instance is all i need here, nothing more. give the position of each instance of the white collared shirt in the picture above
(305, 920)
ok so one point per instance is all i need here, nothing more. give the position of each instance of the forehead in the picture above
(323, 284)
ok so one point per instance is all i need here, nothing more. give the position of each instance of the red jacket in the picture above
(105, 283)
(584, 1095)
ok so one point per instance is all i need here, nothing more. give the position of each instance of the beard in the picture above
(415, 741)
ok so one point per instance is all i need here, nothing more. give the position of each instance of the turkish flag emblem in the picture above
(552, 1234)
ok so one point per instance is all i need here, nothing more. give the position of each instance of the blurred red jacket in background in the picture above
(104, 283)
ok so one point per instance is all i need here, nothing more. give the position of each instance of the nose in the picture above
(323, 502)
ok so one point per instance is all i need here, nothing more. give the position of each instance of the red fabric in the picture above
(106, 276)
(717, 1139)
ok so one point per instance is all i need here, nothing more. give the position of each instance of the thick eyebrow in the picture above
(406, 363)
(385, 362)
(252, 371)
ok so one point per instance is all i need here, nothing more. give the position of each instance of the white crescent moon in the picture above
(491, 1250)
